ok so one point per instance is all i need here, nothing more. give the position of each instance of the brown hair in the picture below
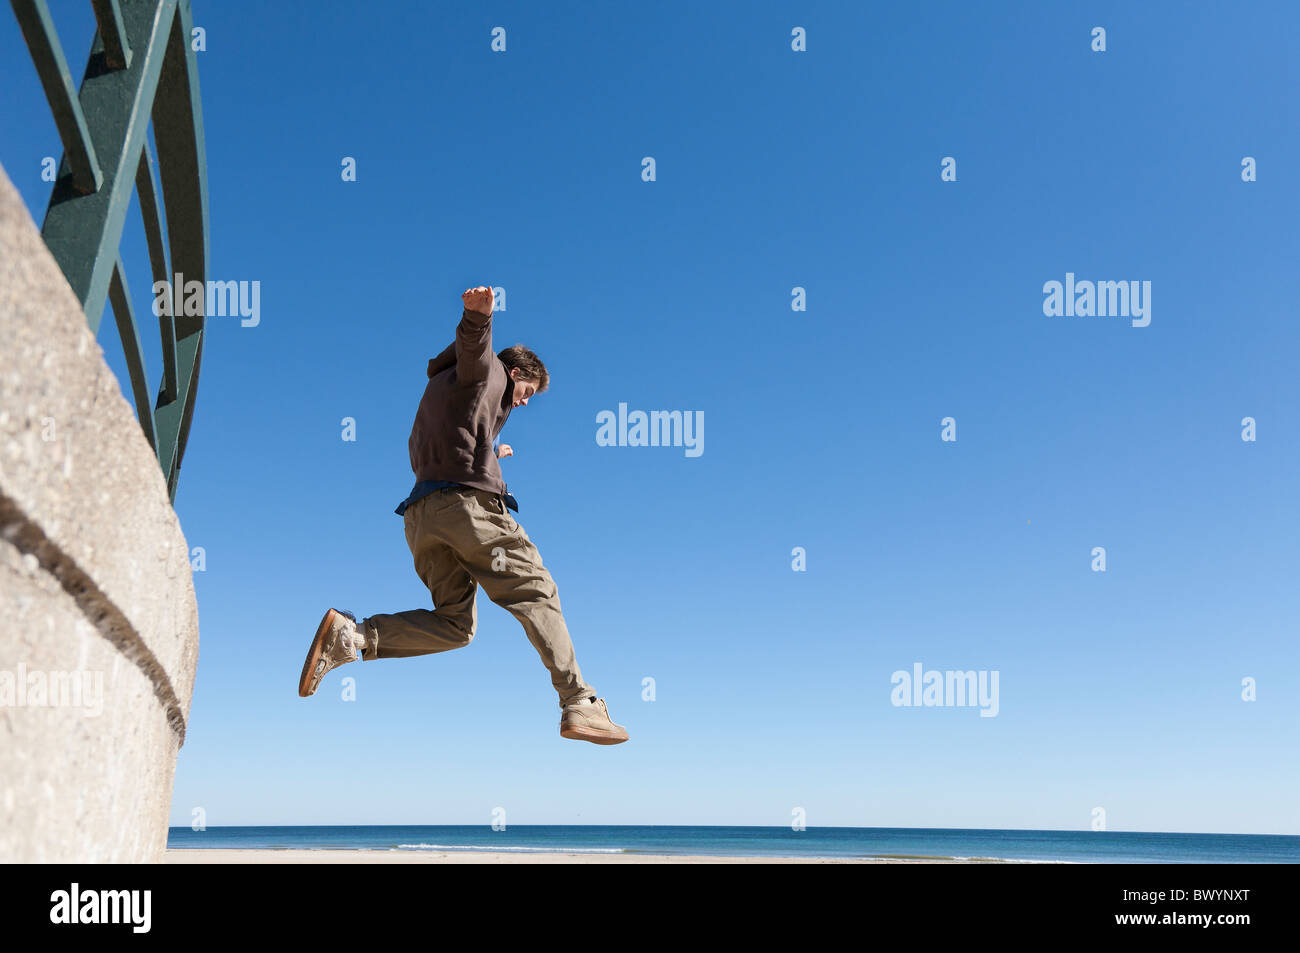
(530, 365)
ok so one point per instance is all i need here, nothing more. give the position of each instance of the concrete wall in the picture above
(94, 582)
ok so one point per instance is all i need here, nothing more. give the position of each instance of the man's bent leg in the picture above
(419, 631)
(508, 566)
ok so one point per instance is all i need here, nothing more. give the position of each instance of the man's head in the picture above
(527, 371)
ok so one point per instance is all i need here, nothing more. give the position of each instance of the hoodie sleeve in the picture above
(443, 361)
(473, 347)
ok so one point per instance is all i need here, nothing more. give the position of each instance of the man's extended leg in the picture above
(498, 554)
(509, 568)
(420, 631)
(468, 534)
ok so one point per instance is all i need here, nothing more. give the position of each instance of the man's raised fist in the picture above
(478, 299)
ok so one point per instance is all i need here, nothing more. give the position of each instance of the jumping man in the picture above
(460, 531)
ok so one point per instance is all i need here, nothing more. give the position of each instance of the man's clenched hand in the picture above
(478, 299)
(505, 450)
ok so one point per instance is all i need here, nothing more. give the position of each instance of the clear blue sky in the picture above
(776, 170)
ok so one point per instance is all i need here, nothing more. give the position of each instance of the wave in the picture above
(1010, 860)
(975, 859)
(545, 850)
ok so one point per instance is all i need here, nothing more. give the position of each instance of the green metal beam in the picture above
(141, 68)
(146, 190)
(117, 51)
(84, 231)
(182, 166)
(170, 418)
(83, 175)
(129, 332)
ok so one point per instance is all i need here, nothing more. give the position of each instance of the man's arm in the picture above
(443, 361)
(474, 336)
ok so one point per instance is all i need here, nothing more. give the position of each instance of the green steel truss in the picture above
(141, 66)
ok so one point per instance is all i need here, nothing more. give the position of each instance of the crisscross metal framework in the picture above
(141, 66)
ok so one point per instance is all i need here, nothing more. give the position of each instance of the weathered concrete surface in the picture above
(94, 577)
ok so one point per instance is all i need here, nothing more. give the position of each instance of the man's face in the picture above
(524, 389)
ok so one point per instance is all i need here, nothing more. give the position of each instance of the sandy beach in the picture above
(219, 856)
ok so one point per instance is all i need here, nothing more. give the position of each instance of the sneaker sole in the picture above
(594, 735)
(313, 656)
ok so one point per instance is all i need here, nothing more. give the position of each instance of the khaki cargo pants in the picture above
(461, 539)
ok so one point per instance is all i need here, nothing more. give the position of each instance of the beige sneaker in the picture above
(589, 721)
(337, 642)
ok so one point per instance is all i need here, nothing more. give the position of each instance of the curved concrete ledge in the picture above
(96, 584)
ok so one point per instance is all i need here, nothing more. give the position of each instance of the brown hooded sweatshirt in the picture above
(464, 407)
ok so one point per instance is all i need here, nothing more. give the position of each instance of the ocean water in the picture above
(1062, 846)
